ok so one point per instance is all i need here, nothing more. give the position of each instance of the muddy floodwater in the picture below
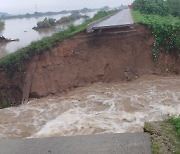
(22, 29)
(95, 109)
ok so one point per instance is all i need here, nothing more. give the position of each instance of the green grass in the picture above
(166, 30)
(15, 60)
(176, 123)
(1, 25)
(165, 135)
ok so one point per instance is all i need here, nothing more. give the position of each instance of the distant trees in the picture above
(174, 7)
(105, 8)
(75, 15)
(85, 10)
(160, 7)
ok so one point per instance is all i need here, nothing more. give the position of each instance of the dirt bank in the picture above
(84, 59)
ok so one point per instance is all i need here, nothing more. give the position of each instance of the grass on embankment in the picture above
(1, 25)
(15, 59)
(165, 135)
(166, 30)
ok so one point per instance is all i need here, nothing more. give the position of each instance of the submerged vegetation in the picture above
(1, 25)
(158, 16)
(15, 60)
(46, 23)
(50, 22)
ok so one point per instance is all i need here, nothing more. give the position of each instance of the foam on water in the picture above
(96, 109)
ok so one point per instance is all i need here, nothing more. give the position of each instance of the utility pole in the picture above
(35, 7)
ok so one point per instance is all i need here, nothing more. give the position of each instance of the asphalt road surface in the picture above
(120, 19)
(138, 143)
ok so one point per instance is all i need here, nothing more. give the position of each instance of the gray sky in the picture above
(28, 6)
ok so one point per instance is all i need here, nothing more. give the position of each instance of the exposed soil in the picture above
(85, 59)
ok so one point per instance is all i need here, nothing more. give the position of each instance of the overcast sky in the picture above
(28, 6)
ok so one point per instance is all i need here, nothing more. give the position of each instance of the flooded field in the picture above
(96, 109)
(22, 29)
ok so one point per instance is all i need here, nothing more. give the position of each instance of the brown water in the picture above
(95, 109)
(22, 29)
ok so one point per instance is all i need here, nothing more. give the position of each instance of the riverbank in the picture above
(165, 135)
(78, 61)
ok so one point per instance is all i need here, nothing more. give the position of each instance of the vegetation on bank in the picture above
(166, 28)
(176, 123)
(15, 60)
(160, 7)
(5, 104)
(166, 31)
(1, 25)
(165, 135)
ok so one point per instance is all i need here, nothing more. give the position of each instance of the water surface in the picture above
(22, 29)
(96, 109)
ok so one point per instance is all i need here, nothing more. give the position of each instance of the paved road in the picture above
(138, 143)
(122, 18)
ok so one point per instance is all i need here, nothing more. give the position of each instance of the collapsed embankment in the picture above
(85, 59)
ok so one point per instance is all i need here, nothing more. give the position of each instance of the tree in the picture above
(160, 7)
(174, 7)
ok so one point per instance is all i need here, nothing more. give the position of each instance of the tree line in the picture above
(161, 7)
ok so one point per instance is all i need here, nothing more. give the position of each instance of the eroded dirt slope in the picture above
(85, 59)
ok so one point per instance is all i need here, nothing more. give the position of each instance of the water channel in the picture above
(100, 108)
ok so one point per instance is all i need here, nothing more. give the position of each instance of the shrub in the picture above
(166, 31)
(5, 103)
(176, 122)
(160, 7)
(46, 23)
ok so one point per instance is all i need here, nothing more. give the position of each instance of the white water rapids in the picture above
(95, 109)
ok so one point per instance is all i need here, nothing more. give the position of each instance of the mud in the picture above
(86, 59)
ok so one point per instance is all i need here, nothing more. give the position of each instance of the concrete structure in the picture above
(138, 143)
(120, 19)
